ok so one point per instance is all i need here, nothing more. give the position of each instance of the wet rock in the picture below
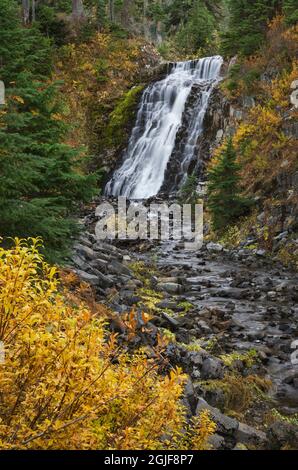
(170, 320)
(281, 236)
(271, 295)
(170, 287)
(261, 253)
(282, 434)
(215, 247)
(226, 426)
(90, 278)
(212, 368)
(85, 251)
(216, 442)
(251, 436)
(233, 292)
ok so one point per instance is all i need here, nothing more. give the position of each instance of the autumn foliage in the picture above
(64, 382)
(264, 139)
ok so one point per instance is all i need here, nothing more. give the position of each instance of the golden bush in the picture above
(65, 384)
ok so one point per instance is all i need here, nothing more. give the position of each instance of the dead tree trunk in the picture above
(77, 9)
(26, 11)
(111, 11)
(33, 12)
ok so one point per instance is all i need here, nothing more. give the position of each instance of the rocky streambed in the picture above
(229, 317)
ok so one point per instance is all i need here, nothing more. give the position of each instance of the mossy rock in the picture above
(122, 117)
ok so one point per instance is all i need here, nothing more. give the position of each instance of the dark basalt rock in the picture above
(215, 123)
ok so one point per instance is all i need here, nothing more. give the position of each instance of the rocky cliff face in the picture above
(219, 120)
(279, 220)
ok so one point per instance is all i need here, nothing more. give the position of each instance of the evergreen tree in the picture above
(188, 194)
(247, 25)
(290, 10)
(225, 201)
(39, 184)
(198, 30)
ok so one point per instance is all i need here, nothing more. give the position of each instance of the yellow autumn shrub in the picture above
(65, 383)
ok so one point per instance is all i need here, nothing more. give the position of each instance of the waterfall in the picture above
(159, 118)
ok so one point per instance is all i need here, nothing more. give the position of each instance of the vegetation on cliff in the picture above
(265, 140)
(225, 200)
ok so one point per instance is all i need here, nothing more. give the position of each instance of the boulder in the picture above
(216, 442)
(170, 320)
(282, 434)
(85, 251)
(215, 247)
(226, 426)
(212, 368)
(118, 268)
(80, 263)
(170, 287)
(251, 436)
(90, 278)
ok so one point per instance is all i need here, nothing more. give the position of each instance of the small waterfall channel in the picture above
(159, 118)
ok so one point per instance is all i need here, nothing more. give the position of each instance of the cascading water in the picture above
(158, 121)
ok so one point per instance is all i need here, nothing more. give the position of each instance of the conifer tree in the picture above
(290, 10)
(39, 183)
(247, 25)
(197, 31)
(225, 200)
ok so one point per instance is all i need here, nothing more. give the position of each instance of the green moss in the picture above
(293, 419)
(150, 298)
(167, 334)
(187, 307)
(249, 358)
(211, 344)
(121, 117)
(195, 346)
(143, 272)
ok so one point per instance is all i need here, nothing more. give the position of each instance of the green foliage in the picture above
(249, 358)
(188, 193)
(196, 33)
(290, 10)
(225, 201)
(21, 49)
(122, 116)
(247, 25)
(51, 24)
(39, 184)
